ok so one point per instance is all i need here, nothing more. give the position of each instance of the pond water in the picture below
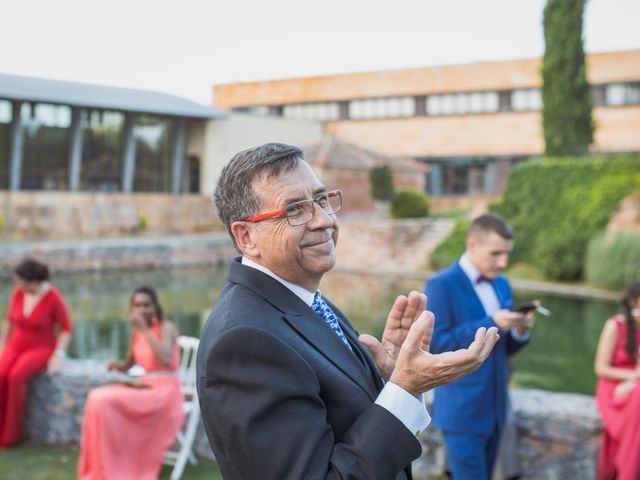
(559, 356)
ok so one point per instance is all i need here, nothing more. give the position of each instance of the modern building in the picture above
(65, 136)
(470, 123)
(81, 160)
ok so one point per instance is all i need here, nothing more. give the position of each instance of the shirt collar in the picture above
(305, 295)
(469, 269)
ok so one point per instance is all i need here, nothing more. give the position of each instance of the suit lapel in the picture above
(469, 292)
(359, 349)
(306, 323)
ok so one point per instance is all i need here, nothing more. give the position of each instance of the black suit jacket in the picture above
(283, 398)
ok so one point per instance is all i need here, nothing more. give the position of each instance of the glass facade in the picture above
(5, 132)
(102, 151)
(153, 154)
(48, 131)
(45, 159)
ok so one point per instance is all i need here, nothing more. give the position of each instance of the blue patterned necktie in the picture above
(321, 308)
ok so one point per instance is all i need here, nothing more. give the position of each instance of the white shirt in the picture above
(486, 293)
(400, 403)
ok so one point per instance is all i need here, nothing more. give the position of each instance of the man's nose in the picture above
(320, 218)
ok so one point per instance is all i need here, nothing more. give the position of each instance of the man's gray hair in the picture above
(234, 197)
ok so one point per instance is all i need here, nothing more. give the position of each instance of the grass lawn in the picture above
(38, 462)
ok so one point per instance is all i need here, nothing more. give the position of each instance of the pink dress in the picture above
(620, 449)
(127, 430)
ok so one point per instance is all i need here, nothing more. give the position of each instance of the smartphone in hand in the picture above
(529, 306)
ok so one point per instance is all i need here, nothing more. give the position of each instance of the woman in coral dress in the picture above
(34, 336)
(128, 427)
(618, 391)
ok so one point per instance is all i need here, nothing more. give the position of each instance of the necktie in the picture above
(482, 278)
(321, 308)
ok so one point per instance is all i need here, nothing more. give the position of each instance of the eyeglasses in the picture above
(299, 213)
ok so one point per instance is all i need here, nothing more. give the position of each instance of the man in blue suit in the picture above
(473, 293)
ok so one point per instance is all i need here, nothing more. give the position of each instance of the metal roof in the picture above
(32, 89)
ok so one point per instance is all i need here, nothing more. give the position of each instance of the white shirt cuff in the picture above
(518, 337)
(410, 410)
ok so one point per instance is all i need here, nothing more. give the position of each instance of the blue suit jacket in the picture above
(475, 403)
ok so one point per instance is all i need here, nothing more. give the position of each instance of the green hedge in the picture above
(613, 261)
(557, 205)
(409, 203)
(451, 248)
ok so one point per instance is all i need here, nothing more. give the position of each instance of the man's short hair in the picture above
(234, 197)
(491, 222)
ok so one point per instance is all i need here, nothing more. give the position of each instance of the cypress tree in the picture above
(566, 115)
(381, 178)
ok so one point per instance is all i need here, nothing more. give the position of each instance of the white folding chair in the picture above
(184, 440)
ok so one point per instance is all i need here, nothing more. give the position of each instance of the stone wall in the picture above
(121, 253)
(46, 214)
(559, 432)
(389, 245)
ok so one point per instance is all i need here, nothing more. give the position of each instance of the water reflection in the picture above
(559, 357)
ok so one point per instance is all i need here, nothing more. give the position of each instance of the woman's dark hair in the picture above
(151, 293)
(32, 270)
(631, 295)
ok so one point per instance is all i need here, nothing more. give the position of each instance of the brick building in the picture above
(470, 123)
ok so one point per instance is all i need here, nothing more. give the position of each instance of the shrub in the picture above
(143, 223)
(451, 248)
(557, 205)
(409, 203)
(381, 178)
(613, 261)
(1, 222)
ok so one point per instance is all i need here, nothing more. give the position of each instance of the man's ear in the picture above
(471, 243)
(243, 234)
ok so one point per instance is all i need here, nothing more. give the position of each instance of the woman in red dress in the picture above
(618, 391)
(29, 342)
(127, 427)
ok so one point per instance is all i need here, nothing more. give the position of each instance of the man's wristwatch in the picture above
(60, 353)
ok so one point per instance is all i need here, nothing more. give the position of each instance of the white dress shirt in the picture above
(400, 403)
(486, 293)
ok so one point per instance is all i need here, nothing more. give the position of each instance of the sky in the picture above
(185, 47)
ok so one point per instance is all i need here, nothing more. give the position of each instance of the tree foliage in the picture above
(566, 95)
(381, 178)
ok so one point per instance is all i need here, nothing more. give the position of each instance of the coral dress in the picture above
(620, 449)
(126, 430)
(26, 352)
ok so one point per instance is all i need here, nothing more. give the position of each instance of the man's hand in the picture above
(418, 371)
(403, 314)
(506, 319)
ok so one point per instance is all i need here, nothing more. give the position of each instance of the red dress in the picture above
(26, 352)
(620, 449)
(126, 430)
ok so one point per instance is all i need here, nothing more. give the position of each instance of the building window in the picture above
(462, 103)
(529, 99)
(153, 154)
(455, 179)
(622, 94)
(101, 151)
(377, 108)
(5, 135)
(45, 164)
(315, 112)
